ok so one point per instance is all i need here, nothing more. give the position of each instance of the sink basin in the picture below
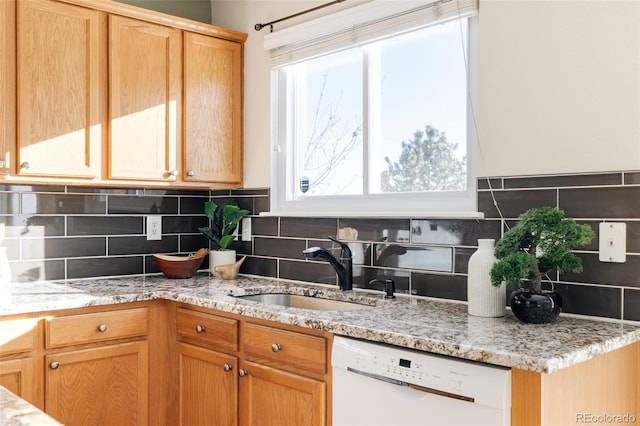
(304, 302)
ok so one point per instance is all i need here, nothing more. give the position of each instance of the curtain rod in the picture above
(258, 27)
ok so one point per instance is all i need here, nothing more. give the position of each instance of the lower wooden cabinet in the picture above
(17, 376)
(274, 397)
(100, 386)
(262, 382)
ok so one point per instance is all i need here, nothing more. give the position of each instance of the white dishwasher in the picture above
(378, 384)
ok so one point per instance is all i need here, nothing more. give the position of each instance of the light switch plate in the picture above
(246, 229)
(613, 242)
(154, 227)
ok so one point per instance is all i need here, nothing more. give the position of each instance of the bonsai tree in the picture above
(224, 221)
(540, 242)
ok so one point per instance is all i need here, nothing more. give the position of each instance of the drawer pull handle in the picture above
(191, 173)
(242, 372)
(276, 347)
(102, 328)
(25, 165)
(227, 367)
(200, 328)
(54, 365)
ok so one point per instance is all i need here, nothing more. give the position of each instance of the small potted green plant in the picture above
(540, 242)
(224, 221)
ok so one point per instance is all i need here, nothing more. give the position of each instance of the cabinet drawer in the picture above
(285, 348)
(206, 328)
(96, 327)
(17, 335)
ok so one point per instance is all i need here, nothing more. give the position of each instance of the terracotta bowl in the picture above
(178, 266)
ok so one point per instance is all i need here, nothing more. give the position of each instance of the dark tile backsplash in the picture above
(57, 232)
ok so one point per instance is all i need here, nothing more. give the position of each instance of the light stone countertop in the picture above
(15, 411)
(414, 322)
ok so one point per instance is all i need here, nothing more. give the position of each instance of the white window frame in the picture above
(432, 204)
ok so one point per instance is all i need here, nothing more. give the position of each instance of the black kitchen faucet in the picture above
(343, 268)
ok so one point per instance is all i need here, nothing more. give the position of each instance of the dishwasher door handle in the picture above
(412, 386)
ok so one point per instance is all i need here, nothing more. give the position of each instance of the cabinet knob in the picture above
(102, 328)
(276, 347)
(191, 173)
(173, 172)
(54, 365)
(242, 372)
(200, 328)
(227, 367)
(25, 165)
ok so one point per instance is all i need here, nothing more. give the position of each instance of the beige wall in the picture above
(559, 84)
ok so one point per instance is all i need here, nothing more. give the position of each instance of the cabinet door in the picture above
(61, 85)
(208, 391)
(103, 386)
(7, 84)
(272, 397)
(144, 99)
(213, 109)
(17, 376)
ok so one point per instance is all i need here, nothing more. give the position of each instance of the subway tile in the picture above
(33, 226)
(133, 204)
(12, 248)
(261, 205)
(140, 245)
(360, 252)
(496, 183)
(278, 247)
(104, 225)
(104, 266)
(177, 192)
(362, 277)
(38, 203)
(309, 271)
(563, 181)
(631, 304)
(193, 205)
(607, 273)
(183, 224)
(390, 230)
(265, 226)
(250, 191)
(429, 258)
(461, 259)
(607, 203)
(38, 270)
(308, 227)
(632, 178)
(9, 203)
(515, 202)
(243, 247)
(98, 190)
(52, 248)
(192, 243)
(600, 301)
(260, 266)
(452, 287)
(453, 232)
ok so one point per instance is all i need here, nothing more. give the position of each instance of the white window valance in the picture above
(360, 24)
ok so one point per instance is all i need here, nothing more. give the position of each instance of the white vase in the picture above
(484, 299)
(224, 257)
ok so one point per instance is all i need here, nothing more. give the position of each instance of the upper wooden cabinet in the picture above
(94, 95)
(212, 109)
(61, 89)
(145, 86)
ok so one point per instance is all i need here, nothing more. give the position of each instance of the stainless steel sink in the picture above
(304, 302)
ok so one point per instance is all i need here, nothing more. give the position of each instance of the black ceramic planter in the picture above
(536, 308)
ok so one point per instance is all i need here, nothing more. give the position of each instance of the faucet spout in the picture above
(343, 267)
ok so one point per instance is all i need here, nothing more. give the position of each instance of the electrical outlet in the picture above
(246, 229)
(154, 227)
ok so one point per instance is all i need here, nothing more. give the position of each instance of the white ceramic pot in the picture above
(484, 300)
(217, 257)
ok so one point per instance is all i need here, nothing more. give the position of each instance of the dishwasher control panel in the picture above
(466, 380)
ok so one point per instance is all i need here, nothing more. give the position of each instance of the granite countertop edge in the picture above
(435, 326)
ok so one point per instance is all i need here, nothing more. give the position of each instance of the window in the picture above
(377, 126)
